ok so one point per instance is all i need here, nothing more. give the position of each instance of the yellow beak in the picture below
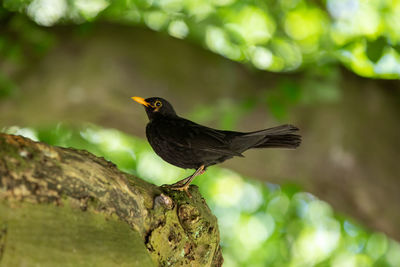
(141, 100)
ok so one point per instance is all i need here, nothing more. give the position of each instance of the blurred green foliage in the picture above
(261, 224)
(277, 36)
(228, 112)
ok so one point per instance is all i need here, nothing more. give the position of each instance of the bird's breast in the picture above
(168, 147)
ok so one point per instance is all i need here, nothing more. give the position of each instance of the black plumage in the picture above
(186, 144)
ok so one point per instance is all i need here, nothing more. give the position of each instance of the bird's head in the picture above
(155, 106)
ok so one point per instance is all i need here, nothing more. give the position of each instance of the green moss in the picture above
(185, 234)
(48, 235)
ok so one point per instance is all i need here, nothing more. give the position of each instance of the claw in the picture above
(184, 188)
(183, 185)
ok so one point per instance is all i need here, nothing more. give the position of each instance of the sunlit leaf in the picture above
(375, 49)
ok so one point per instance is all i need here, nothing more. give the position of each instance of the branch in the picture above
(174, 229)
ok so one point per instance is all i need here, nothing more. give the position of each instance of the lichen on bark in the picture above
(175, 229)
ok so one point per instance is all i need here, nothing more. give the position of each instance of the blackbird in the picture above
(189, 145)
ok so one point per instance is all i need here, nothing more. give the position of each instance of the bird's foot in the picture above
(183, 185)
(183, 188)
(179, 183)
(179, 186)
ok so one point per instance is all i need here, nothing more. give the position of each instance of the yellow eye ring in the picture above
(157, 104)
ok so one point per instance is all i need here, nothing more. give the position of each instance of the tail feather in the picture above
(282, 136)
(278, 130)
(279, 137)
(283, 141)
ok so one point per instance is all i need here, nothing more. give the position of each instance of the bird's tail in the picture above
(281, 137)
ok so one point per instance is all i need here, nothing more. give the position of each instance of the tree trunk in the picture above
(69, 207)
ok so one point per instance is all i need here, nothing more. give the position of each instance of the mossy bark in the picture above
(68, 207)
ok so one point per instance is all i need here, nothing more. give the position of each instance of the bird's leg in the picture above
(183, 185)
(189, 179)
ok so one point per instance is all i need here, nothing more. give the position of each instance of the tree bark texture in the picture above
(69, 207)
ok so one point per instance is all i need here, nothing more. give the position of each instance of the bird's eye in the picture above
(157, 103)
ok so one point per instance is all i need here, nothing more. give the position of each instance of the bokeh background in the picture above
(69, 67)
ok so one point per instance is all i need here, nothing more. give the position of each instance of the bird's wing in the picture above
(191, 135)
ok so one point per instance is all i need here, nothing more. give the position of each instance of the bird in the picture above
(189, 145)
